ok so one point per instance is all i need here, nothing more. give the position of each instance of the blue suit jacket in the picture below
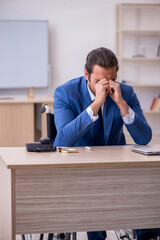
(74, 126)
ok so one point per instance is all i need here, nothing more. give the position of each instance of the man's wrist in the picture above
(124, 108)
(95, 106)
(90, 113)
(129, 118)
(121, 103)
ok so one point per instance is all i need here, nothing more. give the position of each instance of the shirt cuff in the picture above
(129, 118)
(90, 113)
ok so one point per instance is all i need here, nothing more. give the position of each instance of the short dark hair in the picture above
(102, 57)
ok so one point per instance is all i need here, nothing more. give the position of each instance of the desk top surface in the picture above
(25, 99)
(18, 157)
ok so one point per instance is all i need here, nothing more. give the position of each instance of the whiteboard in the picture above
(23, 54)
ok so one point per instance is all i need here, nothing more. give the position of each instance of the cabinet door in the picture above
(16, 124)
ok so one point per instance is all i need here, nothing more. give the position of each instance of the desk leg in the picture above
(7, 203)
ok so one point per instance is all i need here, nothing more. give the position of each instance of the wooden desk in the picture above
(110, 188)
(17, 121)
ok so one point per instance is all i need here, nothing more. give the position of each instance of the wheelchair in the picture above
(120, 234)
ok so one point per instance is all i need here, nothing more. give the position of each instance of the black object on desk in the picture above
(40, 147)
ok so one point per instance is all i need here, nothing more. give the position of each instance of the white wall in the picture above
(75, 28)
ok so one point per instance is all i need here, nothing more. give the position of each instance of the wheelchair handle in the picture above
(45, 108)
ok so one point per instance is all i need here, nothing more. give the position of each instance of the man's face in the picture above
(98, 74)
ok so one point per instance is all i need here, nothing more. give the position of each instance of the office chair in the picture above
(51, 134)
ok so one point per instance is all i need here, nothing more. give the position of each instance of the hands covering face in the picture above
(105, 87)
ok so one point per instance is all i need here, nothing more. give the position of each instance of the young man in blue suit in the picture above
(92, 109)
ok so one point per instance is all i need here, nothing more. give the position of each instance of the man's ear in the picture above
(86, 74)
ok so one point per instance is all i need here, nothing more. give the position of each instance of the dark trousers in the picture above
(97, 235)
(147, 234)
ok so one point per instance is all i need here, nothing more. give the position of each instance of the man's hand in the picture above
(115, 92)
(101, 92)
(109, 87)
(116, 95)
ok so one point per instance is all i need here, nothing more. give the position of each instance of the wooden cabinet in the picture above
(18, 119)
(138, 51)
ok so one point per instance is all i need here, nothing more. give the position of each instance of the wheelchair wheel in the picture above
(36, 236)
(68, 236)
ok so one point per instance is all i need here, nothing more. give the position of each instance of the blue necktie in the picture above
(98, 138)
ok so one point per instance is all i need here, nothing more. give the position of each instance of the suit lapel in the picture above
(84, 94)
(108, 115)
